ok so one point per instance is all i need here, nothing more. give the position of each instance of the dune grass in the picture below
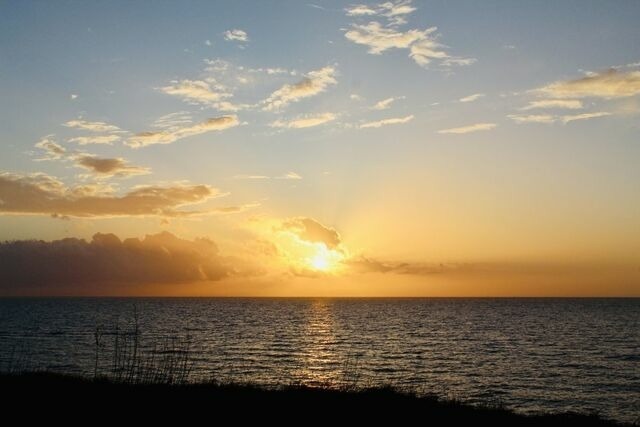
(300, 404)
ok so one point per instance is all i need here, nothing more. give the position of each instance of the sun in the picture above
(324, 259)
(320, 262)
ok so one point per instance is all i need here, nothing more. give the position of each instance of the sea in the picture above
(527, 354)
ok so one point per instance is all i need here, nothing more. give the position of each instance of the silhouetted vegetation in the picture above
(282, 404)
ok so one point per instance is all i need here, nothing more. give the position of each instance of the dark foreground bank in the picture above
(247, 402)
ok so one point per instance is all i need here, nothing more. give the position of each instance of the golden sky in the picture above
(403, 148)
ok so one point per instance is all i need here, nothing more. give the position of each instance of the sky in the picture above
(284, 148)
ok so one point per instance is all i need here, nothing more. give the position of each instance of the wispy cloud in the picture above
(393, 11)
(171, 135)
(251, 177)
(609, 84)
(378, 37)
(313, 83)
(305, 121)
(95, 139)
(471, 98)
(110, 167)
(236, 35)
(469, 129)
(386, 122)
(197, 91)
(290, 175)
(92, 126)
(41, 194)
(532, 118)
(584, 116)
(548, 118)
(569, 104)
(52, 150)
(386, 103)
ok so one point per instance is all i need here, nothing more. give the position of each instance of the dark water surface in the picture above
(530, 354)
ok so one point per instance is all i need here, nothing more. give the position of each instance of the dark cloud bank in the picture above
(156, 259)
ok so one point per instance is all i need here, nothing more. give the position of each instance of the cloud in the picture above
(547, 118)
(115, 167)
(472, 98)
(379, 38)
(95, 139)
(196, 91)
(569, 104)
(422, 44)
(385, 103)
(236, 35)
(310, 230)
(314, 82)
(41, 194)
(362, 264)
(171, 135)
(107, 261)
(532, 118)
(173, 121)
(305, 121)
(360, 10)
(585, 116)
(250, 177)
(609, 84)
(385, 122)
(92, 126)
(450, 62)
(393, 11)
(290, 175)
(53, 150)
(468, 129)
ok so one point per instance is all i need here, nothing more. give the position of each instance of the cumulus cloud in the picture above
(110, 167)
(95, 139)
(107, 260)
(170, 135)
(196, 91)
(378, 37)
(609, 84)
(532, 118)
(569, 104)
(468, 129)
(52, 150)
(41, 194)
(472, 98)
(236, 35)
(92, 126)
(385, 103)
(385, 122)
(313, 83)
(304, 121)
(310, 230)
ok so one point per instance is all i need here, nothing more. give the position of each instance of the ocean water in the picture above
(529, 354)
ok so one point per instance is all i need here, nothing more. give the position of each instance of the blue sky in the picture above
(512, 139)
